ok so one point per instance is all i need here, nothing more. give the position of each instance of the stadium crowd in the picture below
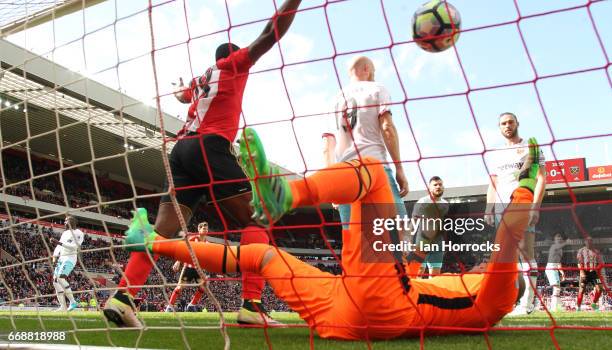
(26, 242)
(30, 242)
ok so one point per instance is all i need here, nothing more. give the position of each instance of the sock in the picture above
(596, 296)
(579, 302)
(499, 289)
(351, 181)
(136, 272)
(197, 297)
(555, 297)
(216, 258)
(60, 294)
(175, 294)
(252, 284)
(66, 286)
(530, 276)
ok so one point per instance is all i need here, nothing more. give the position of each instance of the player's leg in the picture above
(529, 266)
(306, 289)
(479, 300)
(581, 288)
(239, 209)
(120, 308)
(489, 296)
(597, 291)
(59, 290)
(176, 292)
(553, 276)
(60, 280)
(367, 279)
(192, 277)
(197, 296)
(417, 259)
(231, 192)
(435, 263)
(499, 287)
(68, 292)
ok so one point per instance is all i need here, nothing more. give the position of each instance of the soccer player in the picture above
(364, 128)
(432, 206)
(588, 260)
(204, 151)
(65, 257)
(189, 274)
(508, 164)
(554, 273)
(371, 299)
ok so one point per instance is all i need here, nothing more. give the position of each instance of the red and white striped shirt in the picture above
(216, 97)
(588, 258)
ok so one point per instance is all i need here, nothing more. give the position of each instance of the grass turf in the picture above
(167, 334)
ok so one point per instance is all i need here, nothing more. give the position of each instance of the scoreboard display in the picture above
(570, 170)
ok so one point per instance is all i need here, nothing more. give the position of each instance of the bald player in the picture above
(363, 127)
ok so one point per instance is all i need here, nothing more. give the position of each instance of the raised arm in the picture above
(282, 20)
(538, 195)
(329, 149)
(491, 199)
(391, 139)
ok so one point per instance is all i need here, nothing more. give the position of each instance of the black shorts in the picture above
(191, 275)
(191, 170)
(591, 277)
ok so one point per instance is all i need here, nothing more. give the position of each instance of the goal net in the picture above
(88, 118)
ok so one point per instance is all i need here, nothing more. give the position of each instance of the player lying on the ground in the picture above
(370, 300)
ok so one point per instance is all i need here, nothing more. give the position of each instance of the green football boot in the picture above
(529, 170)
(272, 196)
(140, 232)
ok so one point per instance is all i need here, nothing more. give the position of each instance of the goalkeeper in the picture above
(370, 300)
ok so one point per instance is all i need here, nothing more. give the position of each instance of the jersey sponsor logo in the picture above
(348, 116)
(511, 166)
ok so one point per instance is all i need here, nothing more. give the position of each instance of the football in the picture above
(436, 25)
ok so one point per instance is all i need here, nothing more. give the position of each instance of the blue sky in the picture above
(576, 106)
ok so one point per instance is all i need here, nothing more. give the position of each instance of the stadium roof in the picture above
(18, 15)
(58, 107)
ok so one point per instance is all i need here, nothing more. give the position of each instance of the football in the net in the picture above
(436, 25)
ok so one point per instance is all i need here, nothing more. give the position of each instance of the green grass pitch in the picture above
(299, 338)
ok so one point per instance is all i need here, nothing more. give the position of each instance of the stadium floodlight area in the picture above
(88, 119)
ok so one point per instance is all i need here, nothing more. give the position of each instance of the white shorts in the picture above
(63, 267)
(553, 275)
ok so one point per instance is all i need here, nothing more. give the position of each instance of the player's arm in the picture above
(538, 195)
(390, 136)
(329, 149)
(491, 197)
(274, 30)
(176, 266)
(183, 94)
(56, 253)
